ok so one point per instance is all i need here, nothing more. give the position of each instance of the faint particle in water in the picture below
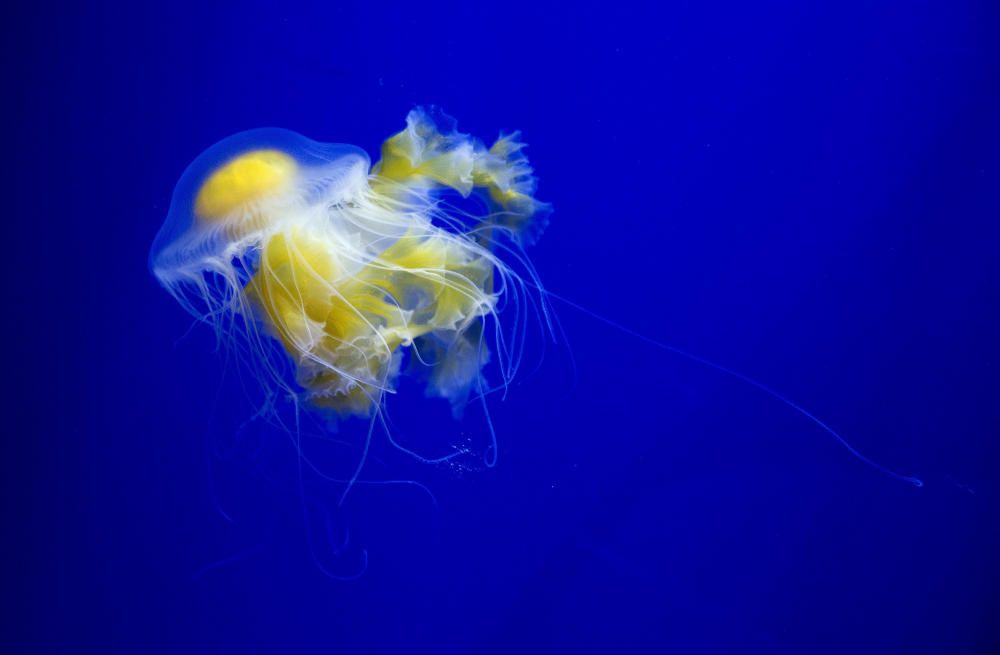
(324, 273)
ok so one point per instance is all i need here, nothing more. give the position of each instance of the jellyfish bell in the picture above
(242, 187)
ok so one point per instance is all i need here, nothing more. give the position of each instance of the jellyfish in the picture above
(331, 278)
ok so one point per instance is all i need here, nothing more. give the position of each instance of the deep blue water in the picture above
(805, 192)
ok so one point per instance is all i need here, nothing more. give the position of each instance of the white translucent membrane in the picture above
(327, 174)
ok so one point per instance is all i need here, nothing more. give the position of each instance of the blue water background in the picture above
(805, 192)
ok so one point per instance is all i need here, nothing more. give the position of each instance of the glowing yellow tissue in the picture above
(249, 177)
(314, 263)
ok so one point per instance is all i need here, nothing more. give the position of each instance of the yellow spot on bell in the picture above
(247, 178)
